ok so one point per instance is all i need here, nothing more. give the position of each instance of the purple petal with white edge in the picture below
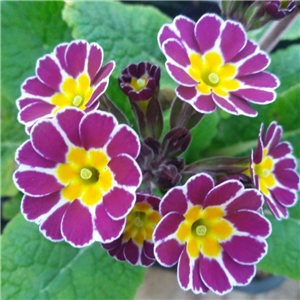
(54, 146)
(124, 141)
(35, 111)
(95, 58)
(254, 64)
(198, 187)
(223, 193)
(288, 178)
(23, 102)
(118, 202)
(258, 156)
(166, 32)
(60, 52)
(142, 95)
(176, 51)
(91, 106)
(103, 74)
(34, 86)
(183, 270)
(214, 276)
(97, 93)
(185, 92)
(145, 261)
(167, 226)
(273, 135)
(286, 163)
(113, 244)
(68, 121)
(250, 222)
(118, 253)
(248, 50)
(256, 95)
(26, 155)
(225, 104)
(51, 227)
(148, 249)
(49, 72)
(250, 249)
(34, 207)
(281, 150)
(95, 129)
(131, 252)
(173, 201)
(242, 274)
(250, 199)
(284, 197)
(35, 183)
(232, 32)
(242, 106)
(76, 56)
(261, 79)
(198, 285)
(180, 75)
(205, 104)
(207, 31)
(186, 27)
(279, 211)
(167, 253)
(126, 170)
(108, 228)
(77, 225)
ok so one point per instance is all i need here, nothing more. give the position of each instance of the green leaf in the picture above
(29, 29)
(35, 268)
(127, 33)
(11, 207)
(293, 32)
(283, 248)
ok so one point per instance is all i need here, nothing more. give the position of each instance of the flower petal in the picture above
(175, 50)
(186, 92)
(173, 201)
(95, 58)
(284, 196)
(242, 106)
(225, 104)
(131, 252)
(261, 79)
(254, 64)
(33, 86)
(256, 95)
(180, 75)
(288, 178)
(205, 104)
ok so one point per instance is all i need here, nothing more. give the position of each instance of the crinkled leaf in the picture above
(29, 29)
(283, 248)
(35, 268)
(127, 33)
(11, 206)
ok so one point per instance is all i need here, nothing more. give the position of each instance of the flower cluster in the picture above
(86, 177)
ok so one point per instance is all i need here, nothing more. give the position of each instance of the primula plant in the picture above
(132, 140)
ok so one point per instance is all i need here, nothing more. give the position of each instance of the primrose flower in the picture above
(216, 65)
(214, 233)
(135, 244)
(273, 171)
(72, 75)
(279, 9)
(79, 176)
(139, 82)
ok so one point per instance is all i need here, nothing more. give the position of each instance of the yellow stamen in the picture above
(213, 78)
(77, 101)
(138, 222)
(85, 173)
(201, 230)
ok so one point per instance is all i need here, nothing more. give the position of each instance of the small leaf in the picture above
(35, 268)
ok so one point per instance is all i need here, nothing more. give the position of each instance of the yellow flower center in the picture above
(86, 176)
(139, 84)
(140, 223)
(203, 230)
(74, 93)
(212, 74)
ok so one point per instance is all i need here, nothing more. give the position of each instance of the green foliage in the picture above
(127, 33)
(35, 268)
(11, 207)
(283, 248)
(29, 30)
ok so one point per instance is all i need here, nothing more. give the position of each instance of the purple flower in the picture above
(72, 75)
(213, 232)
(139, 82)
(273, 171)
(279, 9)
(216, 65)
(135, 244)
(79, 176)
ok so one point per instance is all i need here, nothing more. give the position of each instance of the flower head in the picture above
(139, 82)
(72, 75)
(79, 176)
(135, 244)
(279, 9)
(216, 65)
(273, 171)
(213, 232)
